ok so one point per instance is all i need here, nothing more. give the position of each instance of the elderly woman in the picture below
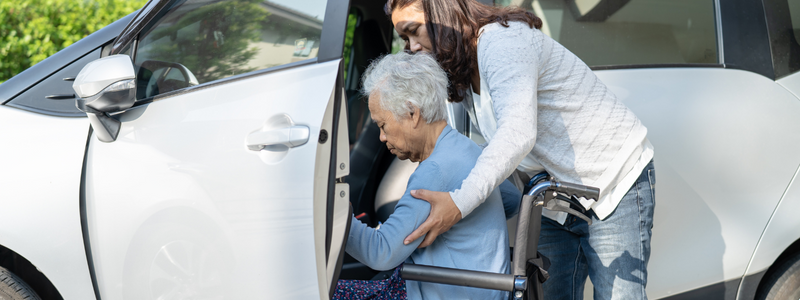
(407, 101)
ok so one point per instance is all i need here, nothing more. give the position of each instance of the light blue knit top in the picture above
(477, 242)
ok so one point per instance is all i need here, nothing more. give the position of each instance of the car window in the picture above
(783, 21)
(634, 32)
(199, 41)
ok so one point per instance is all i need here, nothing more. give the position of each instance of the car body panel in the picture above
(780, 233)
(40, 220)
(331, 206)
(179, 175)
(340, 210)
(321, 173)
(719, 173)
(791, 83)
(782, 229)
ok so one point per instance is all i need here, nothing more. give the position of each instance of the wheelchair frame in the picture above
(529, 267)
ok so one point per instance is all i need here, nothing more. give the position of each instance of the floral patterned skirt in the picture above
(391, 288)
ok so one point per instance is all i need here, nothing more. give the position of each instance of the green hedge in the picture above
(32, 30)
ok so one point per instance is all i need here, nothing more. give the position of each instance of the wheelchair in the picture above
(528, 266)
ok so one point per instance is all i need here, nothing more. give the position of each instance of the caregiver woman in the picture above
(541, 108)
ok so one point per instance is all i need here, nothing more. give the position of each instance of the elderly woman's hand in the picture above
(444, 214)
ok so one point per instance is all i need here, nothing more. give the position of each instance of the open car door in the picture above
(214, 185)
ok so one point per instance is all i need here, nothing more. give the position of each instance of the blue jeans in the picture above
(613, 252)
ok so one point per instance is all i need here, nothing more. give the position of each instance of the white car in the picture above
(230, 170)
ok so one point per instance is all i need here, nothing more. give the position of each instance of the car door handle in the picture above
(291, 136)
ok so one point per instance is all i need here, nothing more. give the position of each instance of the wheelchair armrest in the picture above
(484, 280)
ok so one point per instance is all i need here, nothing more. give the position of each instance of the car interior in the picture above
(370, 35)
(377, 178)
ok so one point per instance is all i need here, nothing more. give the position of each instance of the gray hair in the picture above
(403, 80)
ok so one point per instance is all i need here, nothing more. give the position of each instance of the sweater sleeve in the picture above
(383, 248)
(508, 62)
(511, 198)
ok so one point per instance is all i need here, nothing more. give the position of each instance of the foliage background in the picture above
(32, 30)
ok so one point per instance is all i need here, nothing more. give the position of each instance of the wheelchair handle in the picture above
(578, 190)
(526, 242)
(571, 189)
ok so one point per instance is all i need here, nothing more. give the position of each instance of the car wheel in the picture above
(13, 288)
(784, 283)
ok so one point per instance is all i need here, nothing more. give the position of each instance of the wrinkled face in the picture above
(409, 22)
(397, 134)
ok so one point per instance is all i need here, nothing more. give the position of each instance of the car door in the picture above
(225, 180)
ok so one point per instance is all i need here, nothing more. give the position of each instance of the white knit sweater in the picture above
(549, 105)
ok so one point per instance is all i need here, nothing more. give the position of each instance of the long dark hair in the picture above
(453, 30)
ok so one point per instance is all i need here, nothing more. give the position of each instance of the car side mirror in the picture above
(104, 86)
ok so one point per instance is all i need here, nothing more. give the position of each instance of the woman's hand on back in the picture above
(444, 214)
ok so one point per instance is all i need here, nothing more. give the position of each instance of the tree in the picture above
(32, 30)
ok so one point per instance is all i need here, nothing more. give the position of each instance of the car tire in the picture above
(784, 283)
(13, 288)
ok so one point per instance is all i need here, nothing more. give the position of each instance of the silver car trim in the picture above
(718, 19)
(653, 66)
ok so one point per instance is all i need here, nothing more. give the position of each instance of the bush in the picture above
(32, 30)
